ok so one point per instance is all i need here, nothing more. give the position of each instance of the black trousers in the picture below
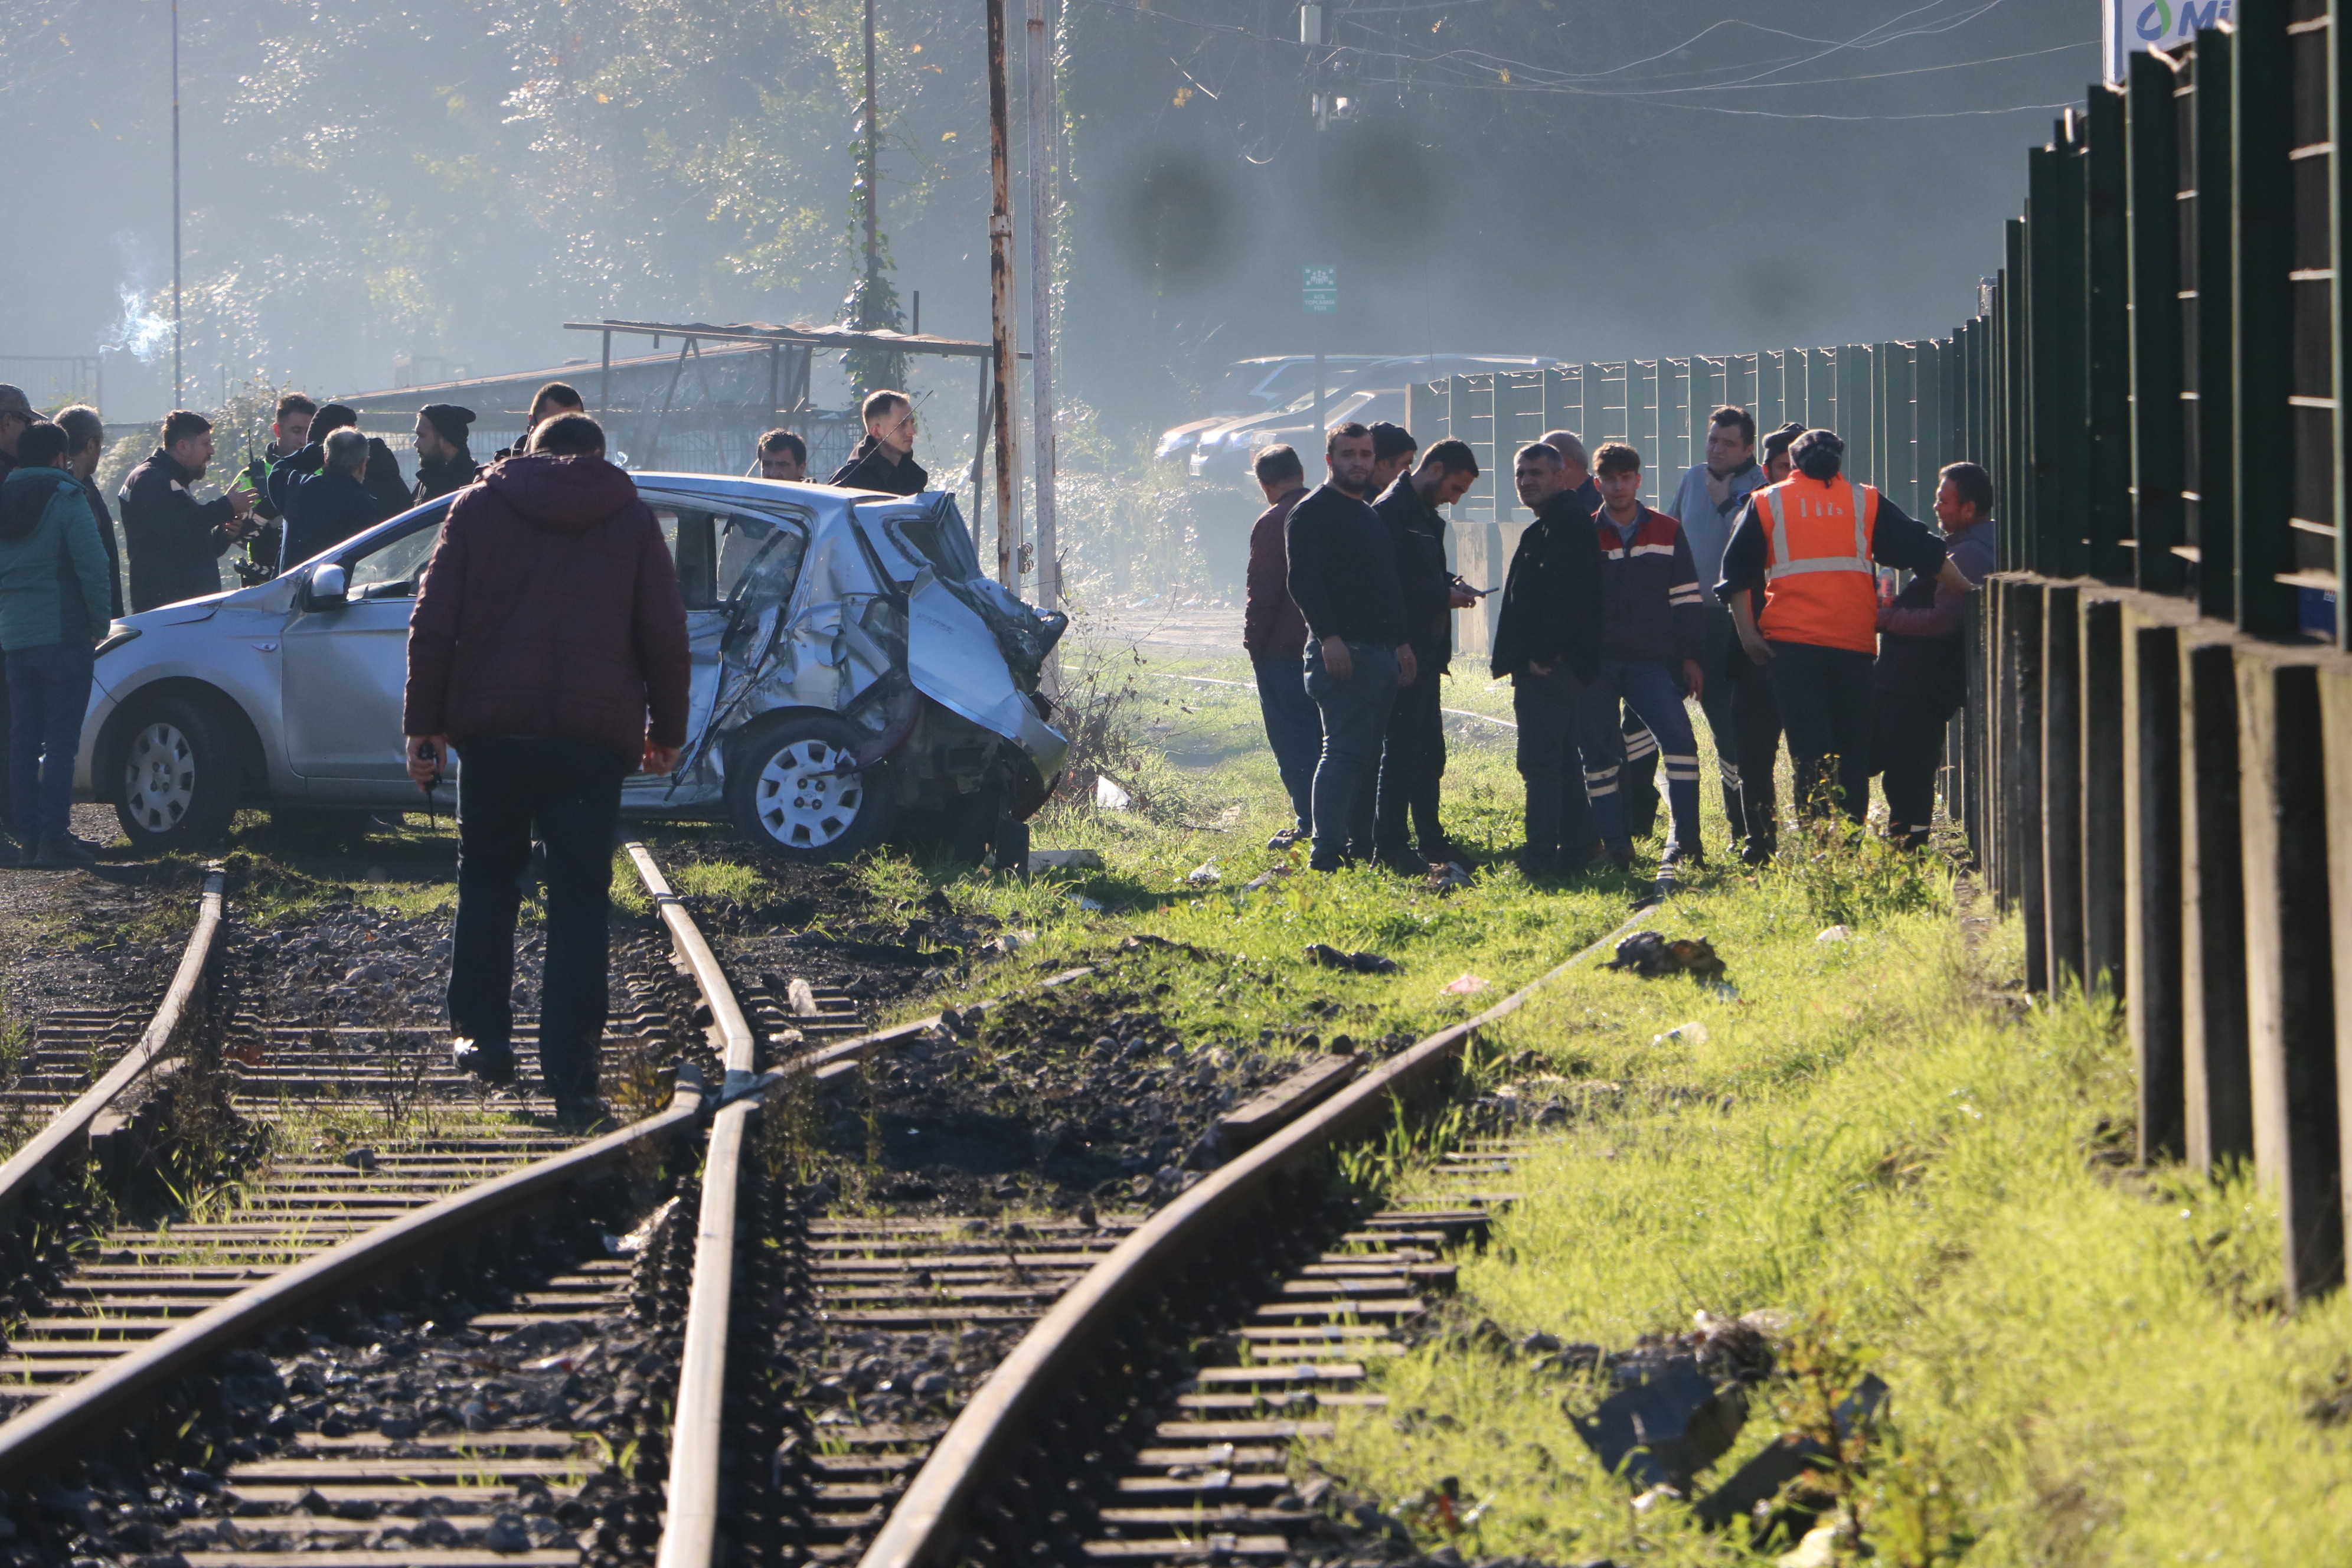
(1906, 748)
(1559, 815)
(571, 790)
(1412, 767)
(1824, 696)
(1755, 735)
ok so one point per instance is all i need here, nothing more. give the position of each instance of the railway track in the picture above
(464, 1339)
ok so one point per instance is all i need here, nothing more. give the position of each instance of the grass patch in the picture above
(2088, 1364)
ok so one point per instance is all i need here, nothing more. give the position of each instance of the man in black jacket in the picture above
(1412, 760)
(382, 480)
(884, 460)
(175, 541)
(1547, 641)
(444, 462)
(1343, 578)
(324, 509)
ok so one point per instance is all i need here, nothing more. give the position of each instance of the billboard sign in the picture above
(2135, 25)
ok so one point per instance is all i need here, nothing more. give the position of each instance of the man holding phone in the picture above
(549, 647)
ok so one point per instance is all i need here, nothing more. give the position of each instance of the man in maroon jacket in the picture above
(549, 647)
(1274, 634)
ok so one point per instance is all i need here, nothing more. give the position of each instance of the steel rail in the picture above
(738, 1046)
(927, 1528)
(690, 1514)
(102, 1401)
(29, 1167)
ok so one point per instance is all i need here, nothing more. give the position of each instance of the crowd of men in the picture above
(1758, 592)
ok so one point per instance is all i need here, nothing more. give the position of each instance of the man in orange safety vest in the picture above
(1809, 542)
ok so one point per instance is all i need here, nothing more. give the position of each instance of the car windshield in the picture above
(389, 571)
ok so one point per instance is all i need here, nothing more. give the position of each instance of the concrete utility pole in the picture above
(873, 154)
(1042, 143)
(175, 204)
(1000, 302)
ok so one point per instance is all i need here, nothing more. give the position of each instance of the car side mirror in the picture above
(330, 585)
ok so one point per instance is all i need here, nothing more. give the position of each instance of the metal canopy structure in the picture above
(792, 351)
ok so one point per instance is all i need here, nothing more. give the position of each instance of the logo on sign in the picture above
(2162, 23)
(1319, 289)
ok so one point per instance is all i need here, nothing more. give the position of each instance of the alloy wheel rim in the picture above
(158, 777)
(807, 798)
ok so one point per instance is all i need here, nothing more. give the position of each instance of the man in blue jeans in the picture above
(54, 607)
(1343, 577)
(548, 645)
(1653, 635)
(1274, 635)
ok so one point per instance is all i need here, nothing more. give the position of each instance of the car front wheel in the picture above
(794, 789)
(176, 786)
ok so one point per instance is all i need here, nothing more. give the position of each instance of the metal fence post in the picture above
(2158, 432)
(2261, 328)
(2059, 382)
(2215, 484)
(2107, 427)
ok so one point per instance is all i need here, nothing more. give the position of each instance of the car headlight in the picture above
(115, 639)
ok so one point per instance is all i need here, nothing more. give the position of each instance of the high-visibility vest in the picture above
(1819, 585)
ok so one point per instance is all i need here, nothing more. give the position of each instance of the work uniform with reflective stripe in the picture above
(1815, 562)
(1819, 587)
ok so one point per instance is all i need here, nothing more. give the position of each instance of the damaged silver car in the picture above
(857, 678)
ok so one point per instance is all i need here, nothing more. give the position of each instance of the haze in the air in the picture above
(451, 181)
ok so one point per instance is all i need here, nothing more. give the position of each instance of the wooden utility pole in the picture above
(1000, 302)
(872, 158)
(176, 394)
(1041, 140)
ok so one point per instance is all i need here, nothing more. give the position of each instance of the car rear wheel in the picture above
(176, 785)
(794, 790)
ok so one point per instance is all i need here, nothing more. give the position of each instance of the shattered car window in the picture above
(759, 567)
(937, 534)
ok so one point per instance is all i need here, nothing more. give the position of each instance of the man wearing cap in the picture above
(1808, 542)
(443, 464)
(16, 415)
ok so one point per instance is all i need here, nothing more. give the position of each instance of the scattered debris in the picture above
(1204, 875)
(1091, 906)
(1109, 796)
(1667, 1421)
(1445, 878)
(1064, 860)
(1467, 984)
(800, 998)
(1691, 1034)
(1267, 878)
(1837, 933)
(1361, 962)
(1009, 942)
(1651, 955)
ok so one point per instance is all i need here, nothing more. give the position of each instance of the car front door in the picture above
(346, 671)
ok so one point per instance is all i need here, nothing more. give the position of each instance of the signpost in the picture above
(1318, 293)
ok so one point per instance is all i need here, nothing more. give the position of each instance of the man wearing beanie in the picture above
(443, 462)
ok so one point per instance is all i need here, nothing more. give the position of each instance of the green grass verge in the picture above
(2089, 1362)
